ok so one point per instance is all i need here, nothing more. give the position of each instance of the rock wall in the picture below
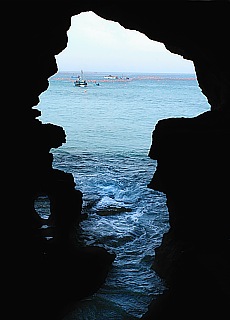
(193, 257)
(196, 248)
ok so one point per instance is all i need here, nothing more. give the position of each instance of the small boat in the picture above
(96, 83)
(80, 81)
(110, 77)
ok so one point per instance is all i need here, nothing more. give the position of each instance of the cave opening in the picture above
(108, 129)
(196, 189)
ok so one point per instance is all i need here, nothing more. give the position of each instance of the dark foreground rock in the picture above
(194, 256)
(49, 285)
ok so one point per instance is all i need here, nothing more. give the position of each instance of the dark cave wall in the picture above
(197, 198)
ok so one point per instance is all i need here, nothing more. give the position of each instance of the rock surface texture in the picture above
(44, 281)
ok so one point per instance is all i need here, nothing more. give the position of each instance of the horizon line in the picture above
(110, 72)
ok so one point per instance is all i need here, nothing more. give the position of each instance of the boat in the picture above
(80, 81)
(110, 77)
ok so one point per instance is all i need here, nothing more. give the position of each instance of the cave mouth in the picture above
(46, 286)
(108, 129)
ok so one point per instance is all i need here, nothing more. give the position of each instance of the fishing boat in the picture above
(110, 77)
(80, 81)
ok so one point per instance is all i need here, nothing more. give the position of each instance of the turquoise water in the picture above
(109, 130)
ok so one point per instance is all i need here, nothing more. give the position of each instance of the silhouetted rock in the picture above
(194, 256)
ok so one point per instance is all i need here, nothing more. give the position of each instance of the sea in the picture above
(109, 127)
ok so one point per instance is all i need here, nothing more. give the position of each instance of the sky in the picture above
(99, 45)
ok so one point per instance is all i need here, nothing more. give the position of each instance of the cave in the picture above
(41, 280)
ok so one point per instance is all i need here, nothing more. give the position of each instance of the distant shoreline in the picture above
(123, 76)
(125, 72)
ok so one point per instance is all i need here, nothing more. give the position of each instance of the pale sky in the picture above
(99, 45)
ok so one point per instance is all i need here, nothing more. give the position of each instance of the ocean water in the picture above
(109, 128)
